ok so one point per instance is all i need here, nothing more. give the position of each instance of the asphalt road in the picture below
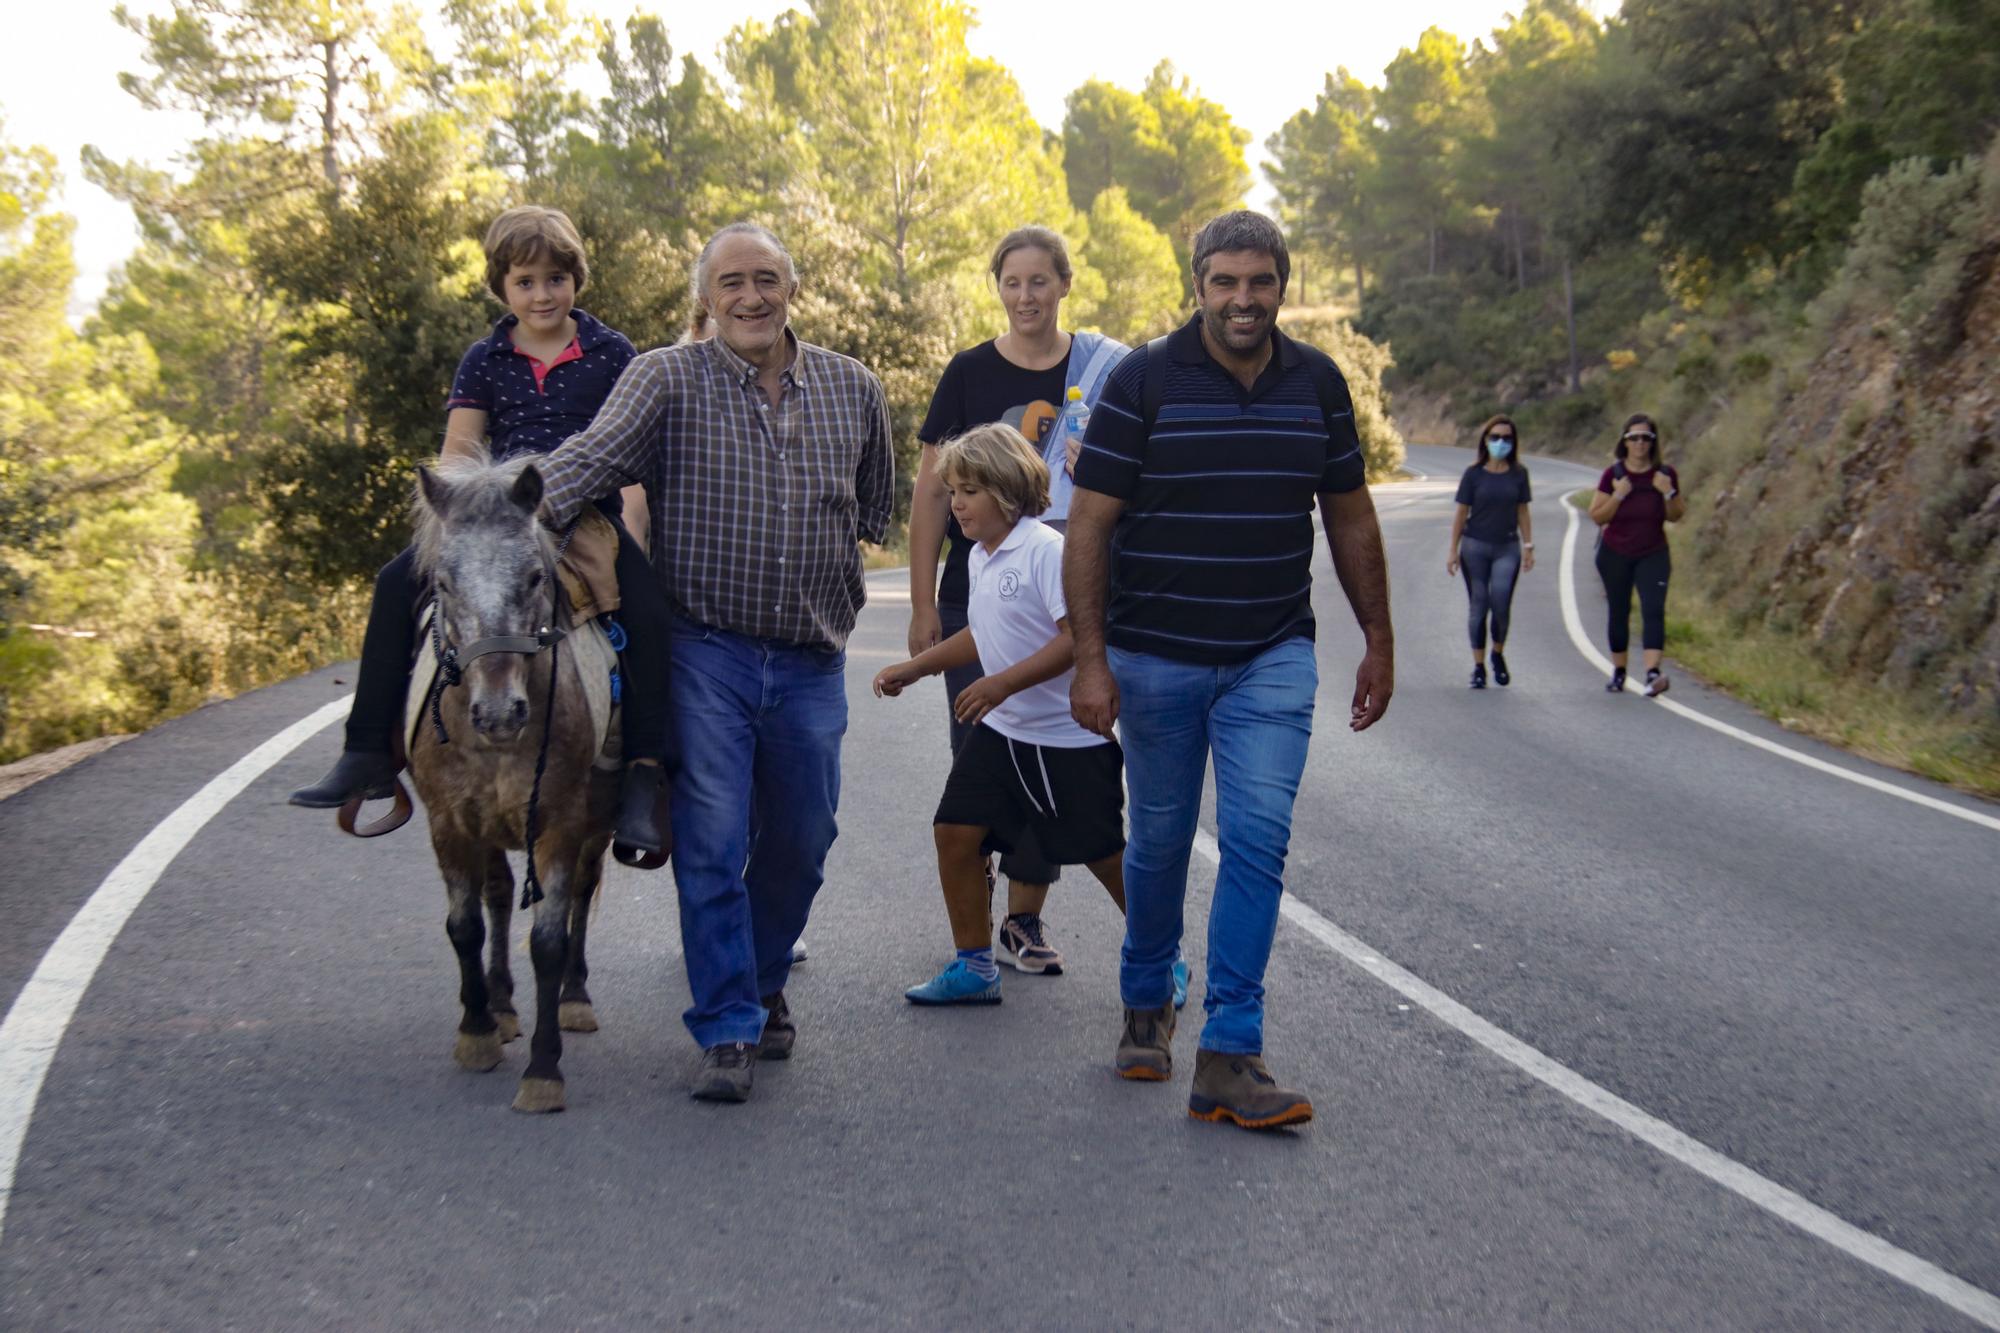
(252, 1119)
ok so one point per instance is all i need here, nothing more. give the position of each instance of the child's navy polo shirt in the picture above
(1212, 555)
(531, 407)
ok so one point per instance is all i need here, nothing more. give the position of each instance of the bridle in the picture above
(453, 660)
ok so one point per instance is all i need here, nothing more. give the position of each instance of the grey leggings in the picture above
(1490, 569)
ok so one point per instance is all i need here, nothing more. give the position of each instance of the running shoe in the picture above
(1024, 948)
(957, 984)
(1656, 683)
(1479, 676)
(1616, 685)
(1500, 676)
(798, 950)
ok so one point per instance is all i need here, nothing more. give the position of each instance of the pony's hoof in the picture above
(510, 1024)
(478, 1051)
(576, 1016)
(539, 1096)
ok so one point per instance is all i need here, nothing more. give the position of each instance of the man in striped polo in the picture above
(1192, 518)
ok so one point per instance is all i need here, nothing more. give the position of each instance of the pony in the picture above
(506, 759)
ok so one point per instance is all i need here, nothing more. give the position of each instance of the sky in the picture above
(59, 72)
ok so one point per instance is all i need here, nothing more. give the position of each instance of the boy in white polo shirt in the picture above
(1027, 764)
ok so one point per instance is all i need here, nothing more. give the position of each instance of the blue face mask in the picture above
(1498, 448)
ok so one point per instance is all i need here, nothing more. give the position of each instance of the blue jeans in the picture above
(1256, 718)
(759, 725)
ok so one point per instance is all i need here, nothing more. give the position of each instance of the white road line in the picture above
(1973, 1302)
(1573, 622)
(42, 1011)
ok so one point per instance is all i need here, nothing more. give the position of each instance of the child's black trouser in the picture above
(1649, 574)
(391, 641)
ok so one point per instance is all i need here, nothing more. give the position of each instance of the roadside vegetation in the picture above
(1776, 228)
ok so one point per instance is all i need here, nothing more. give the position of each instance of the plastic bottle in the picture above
(1075, 419)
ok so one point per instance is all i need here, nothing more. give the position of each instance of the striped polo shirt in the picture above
(1212, 556)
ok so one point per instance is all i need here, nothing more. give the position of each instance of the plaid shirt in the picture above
(755, 508)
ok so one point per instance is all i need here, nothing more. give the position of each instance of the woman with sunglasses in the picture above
(1637, 497)
(1493, 540)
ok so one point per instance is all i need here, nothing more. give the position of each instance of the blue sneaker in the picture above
(1182, 972)
(957, 984)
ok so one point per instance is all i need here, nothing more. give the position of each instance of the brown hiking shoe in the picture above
(1146, 1051)
(1238, 1088)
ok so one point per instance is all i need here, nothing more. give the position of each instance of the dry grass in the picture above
(1780, 676)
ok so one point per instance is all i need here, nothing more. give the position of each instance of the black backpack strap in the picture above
(1327, 386)
(1330, 388)
(1156, 382)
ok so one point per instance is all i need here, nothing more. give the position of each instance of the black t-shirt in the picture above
(978, 387)
(1496, 499)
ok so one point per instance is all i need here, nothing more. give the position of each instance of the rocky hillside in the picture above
(1865, 513)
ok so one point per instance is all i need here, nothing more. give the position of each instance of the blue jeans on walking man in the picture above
(759, 725)
(1255, 717)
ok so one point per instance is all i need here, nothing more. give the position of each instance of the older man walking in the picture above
(765, 459)
(1194, 498)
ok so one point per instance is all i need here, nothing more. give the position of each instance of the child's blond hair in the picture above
(1000, 459)
(530, 233)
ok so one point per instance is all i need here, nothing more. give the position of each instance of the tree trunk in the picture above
(1434, 249)
(1520, 253)
(329, 112)
(1360, 287)
(1569, 314)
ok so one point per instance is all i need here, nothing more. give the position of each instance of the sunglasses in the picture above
(1640, 435)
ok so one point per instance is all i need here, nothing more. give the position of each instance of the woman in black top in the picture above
(1492, 540)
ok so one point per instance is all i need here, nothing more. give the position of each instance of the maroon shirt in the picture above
(1640, 525)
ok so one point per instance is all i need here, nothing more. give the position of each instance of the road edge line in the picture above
(1787, 1205)
(1573, 622)
(41, 1011)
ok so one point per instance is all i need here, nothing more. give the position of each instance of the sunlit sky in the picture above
(59, 71)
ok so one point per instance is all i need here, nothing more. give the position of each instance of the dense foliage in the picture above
(195, 488)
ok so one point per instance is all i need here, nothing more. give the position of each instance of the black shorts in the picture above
(1073, 800)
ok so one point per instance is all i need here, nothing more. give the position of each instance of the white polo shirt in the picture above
(1016, 600)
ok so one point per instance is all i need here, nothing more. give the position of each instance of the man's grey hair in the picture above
(698, 286)
(1242, 230)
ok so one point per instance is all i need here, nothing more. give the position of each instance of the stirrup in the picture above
(637, 857)
(398, 816)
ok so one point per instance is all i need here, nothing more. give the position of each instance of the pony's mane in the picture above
(481, 495)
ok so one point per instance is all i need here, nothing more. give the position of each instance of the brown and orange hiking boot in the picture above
(1146, 1051)
(1238, 1088)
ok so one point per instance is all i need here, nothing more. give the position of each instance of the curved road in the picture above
(252, 1119)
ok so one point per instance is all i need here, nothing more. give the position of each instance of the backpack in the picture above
(1325, 376)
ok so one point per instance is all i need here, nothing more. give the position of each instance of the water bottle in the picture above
(1075, 419)
(1068, 427)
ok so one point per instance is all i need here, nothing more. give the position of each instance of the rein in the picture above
(452, 662)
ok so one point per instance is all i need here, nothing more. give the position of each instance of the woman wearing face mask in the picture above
(1021, 378)
(1492, 540)
(1637, 497)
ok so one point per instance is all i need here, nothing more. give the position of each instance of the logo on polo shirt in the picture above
(1010, 585)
